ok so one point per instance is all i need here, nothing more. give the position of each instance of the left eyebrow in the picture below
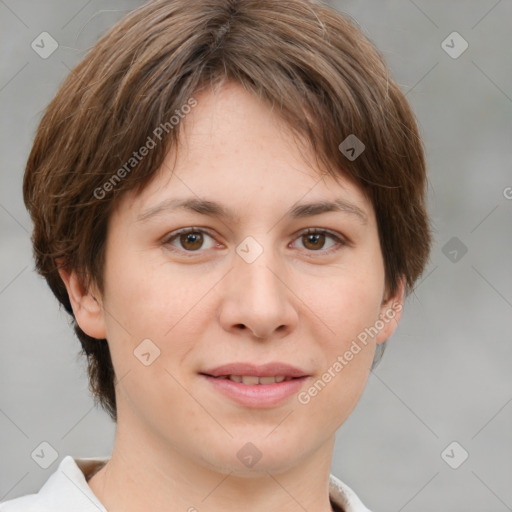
(214, 209)
(338, 205)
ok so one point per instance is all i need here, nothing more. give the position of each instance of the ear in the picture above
(86, 304)
(391, 311)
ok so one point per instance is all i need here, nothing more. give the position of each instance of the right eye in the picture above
(190, 240)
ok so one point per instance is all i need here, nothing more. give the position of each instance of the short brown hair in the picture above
(327, 80)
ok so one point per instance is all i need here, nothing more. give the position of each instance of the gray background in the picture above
(445, 375)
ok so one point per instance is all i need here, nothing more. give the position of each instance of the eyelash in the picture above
(340, 241)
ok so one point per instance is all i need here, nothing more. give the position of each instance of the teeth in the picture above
(252, 380)
(267, 380)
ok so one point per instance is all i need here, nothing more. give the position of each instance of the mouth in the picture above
(248, 371)
(252, 380)
(254, 386)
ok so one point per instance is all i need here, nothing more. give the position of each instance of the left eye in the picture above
(192, 239)
(315, 239)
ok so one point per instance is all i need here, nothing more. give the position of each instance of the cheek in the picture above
(151, 300)
(346, 359)
(349, 306)
(147, 296)
(345, 301)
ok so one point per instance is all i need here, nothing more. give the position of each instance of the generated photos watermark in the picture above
(304, 397)
(151, 142)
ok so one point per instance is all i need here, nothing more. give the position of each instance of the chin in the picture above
(261, 468)
(255, 458)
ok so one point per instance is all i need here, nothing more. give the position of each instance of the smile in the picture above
(253, 380)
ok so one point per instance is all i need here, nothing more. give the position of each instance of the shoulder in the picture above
(27, 503)
(344, 497)
(66, 489)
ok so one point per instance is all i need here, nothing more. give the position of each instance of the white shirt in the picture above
(67, 490)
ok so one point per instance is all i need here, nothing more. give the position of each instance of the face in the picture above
(241, 282)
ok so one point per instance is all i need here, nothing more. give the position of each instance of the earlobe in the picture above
(86, 306)
(390, 313)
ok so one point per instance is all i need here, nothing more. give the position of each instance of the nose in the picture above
(256, 298)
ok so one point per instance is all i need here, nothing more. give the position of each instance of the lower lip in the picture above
(257, 395)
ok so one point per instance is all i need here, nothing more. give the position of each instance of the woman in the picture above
(229, 200)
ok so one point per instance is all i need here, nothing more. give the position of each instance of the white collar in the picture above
(68, 487)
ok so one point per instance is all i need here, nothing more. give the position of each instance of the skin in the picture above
(301, 301)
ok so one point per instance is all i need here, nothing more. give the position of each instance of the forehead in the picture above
(235, 150)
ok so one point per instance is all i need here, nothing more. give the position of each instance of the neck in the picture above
(142, 474)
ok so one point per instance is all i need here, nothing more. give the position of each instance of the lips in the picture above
(248, 373)
(253, 379)
(256, 386)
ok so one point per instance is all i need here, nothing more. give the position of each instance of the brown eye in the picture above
(191, 241)
(314, 241)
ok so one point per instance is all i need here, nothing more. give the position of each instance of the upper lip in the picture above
(248, 369)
